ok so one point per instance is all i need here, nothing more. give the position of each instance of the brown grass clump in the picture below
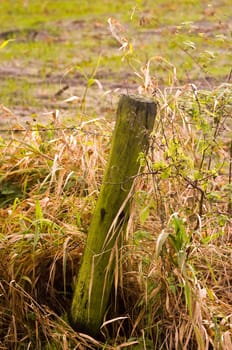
(174, 274)
(49, 182)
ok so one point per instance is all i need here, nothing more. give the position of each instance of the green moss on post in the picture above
(135, 120)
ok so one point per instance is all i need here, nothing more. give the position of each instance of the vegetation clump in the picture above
(173, 283)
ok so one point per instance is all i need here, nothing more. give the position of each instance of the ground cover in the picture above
(174, 276)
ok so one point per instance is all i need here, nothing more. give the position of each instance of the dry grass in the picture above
(174, 273)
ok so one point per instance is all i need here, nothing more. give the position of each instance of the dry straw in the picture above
(173, 276)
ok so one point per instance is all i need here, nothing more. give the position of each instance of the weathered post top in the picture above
(141, 106)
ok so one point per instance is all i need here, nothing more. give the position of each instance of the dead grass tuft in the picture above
(174, 271)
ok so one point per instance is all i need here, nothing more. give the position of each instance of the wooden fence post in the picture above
(134, 123)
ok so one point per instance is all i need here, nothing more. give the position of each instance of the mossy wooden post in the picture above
(135, 120)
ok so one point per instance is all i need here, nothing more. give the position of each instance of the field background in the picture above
(58, 44)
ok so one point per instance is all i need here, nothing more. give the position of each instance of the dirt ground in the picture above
(52, 85)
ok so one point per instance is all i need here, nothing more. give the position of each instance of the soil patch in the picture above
(49, 85)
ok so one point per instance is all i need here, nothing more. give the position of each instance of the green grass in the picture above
(22, 92)
(33, 13)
